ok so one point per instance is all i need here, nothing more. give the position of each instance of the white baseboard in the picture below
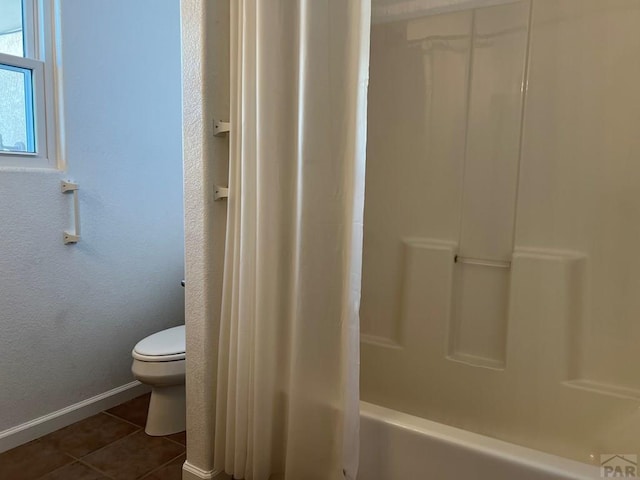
(191, 472)
(15, 436)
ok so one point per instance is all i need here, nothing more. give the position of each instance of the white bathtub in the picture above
(397, 446)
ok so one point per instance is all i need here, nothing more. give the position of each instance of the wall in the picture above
(205, 39)
(502, 182)
(70, 315)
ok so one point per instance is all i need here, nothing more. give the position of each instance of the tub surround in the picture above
(499, 279)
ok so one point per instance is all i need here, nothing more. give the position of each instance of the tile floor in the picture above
(110, 445)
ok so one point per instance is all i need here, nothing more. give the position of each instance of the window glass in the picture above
(11, 30)
(27, 108)
(16, 110)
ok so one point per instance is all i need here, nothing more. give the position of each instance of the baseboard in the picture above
(191, 472)
(15, 436)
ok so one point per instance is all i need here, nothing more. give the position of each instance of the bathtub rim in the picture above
(480, 444)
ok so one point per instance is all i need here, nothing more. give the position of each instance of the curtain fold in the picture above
(288, 373)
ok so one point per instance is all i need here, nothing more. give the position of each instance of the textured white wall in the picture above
(69, 315)
(205, 60)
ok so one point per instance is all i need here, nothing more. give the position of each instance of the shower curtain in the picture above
(287, 395)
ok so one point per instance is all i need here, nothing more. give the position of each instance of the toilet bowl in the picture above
(159, 361)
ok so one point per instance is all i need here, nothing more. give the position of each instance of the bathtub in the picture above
(398, 446)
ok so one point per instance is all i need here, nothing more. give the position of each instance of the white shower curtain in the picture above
(287, 397)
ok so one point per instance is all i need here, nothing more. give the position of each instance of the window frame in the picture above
(40, 23)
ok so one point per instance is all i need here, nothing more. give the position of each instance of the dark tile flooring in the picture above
(109, 445)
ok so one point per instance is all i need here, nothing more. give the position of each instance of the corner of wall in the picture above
(205, 37)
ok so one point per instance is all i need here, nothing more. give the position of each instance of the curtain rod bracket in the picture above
(220, 127)
(220, 193)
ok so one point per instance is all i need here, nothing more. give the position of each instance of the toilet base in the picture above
(167, 411)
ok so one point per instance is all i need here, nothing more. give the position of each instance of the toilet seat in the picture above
(165, 346)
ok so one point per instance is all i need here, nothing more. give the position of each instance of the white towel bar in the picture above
(68, 237)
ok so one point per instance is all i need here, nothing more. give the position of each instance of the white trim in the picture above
(191, 472)
(30, 32)
(15, 436)
(50, 51)
(42, 55)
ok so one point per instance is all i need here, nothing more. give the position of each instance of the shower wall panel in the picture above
(580, 187)
(417, 111)
(507, 135)
(489, 184)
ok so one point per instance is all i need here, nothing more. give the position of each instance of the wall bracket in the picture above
(220, 127)
(220, 192)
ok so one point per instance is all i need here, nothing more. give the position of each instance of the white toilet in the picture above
(159, 361)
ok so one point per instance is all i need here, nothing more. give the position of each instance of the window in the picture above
(27, 95)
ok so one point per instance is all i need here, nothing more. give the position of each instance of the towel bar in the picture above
(68, 237)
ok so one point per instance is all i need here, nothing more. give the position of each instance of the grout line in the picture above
(73, 460)
(84, 462)
(95, 469)
(166, 437)
(87, 464)
(122, 419)
(161, 466)
(81, 459)
(175, 441)
(103, 447)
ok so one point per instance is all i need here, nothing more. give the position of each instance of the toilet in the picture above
(159, 361)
